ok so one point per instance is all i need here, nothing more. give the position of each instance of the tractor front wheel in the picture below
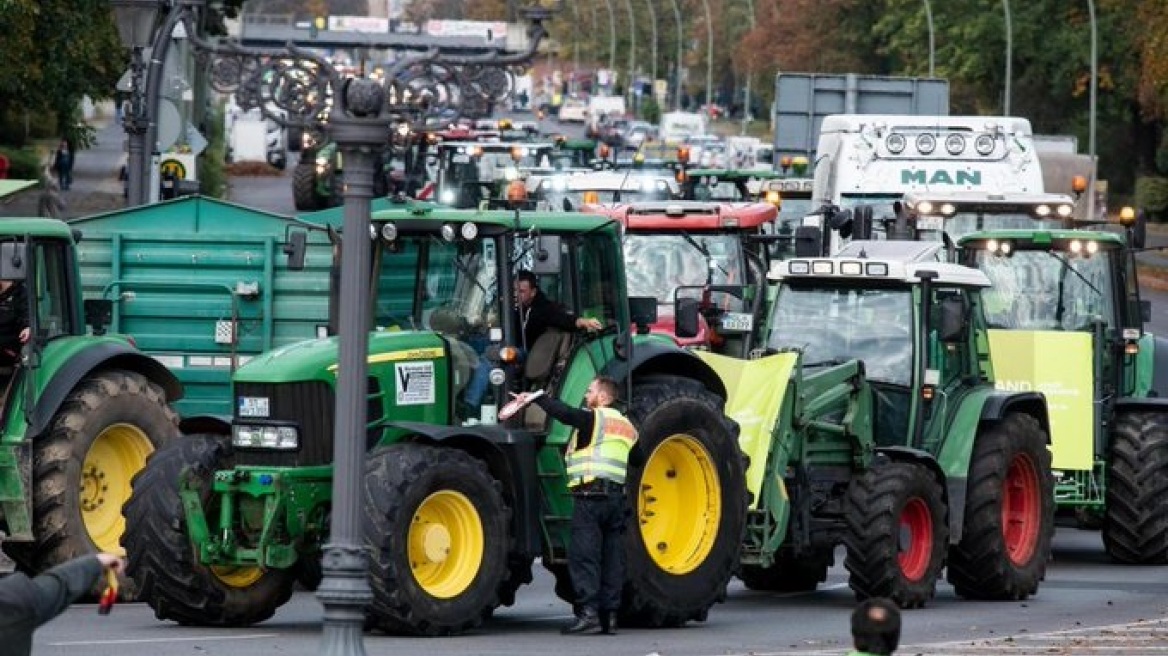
(1135, 527)
(896, 533)
(304, 186)
(438, 532)
(1009, 513)
(162, 558)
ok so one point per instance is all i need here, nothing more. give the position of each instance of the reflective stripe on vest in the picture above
(607, 454)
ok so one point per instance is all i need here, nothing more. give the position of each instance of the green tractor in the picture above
(81, 413)
(888, 436)
(456, 505)
(1068, 320)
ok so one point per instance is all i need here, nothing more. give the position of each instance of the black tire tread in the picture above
(1135, 527)
(304, 187)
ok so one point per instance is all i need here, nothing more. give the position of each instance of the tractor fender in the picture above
(1152, 404)
(954, 457)
(212, 424)
(106, 355)
(1154, 354)
(662, 358)
(953, 486)
(510, 456)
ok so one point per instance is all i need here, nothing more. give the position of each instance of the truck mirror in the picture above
(685, 316)
(953, 324)
(98, 313)
(295, 249)
(1145, 311)
(643, 311)
(12, 261)
(546, 255)
(1139, 231)
(808, 241)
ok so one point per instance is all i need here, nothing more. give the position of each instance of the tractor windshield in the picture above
(832, 325)
(426, 282)
(930, 228)
(1047, 289)
(659, 264)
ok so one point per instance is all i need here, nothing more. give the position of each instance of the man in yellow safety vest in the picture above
(597, 460)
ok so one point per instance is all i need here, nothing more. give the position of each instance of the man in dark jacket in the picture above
(537, 312)
(13, 321)
(26, 603)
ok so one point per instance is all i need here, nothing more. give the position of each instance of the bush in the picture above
(212, 174)
(1152, 196)
(23, 163)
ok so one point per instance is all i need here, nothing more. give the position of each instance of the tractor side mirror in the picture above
(862, 222)
(808, 241)
(12, 261)
(98, 314)
(1145, 311)
(953, 325)
(685, 315)
(295, 249)
(643, 311)
(547, 256)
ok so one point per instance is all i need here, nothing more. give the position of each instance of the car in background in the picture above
(573, 110)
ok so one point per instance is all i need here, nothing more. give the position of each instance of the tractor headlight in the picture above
(283, 438)
(447, 196)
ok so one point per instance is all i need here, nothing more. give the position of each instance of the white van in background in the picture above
(599, 106)
(677, 127)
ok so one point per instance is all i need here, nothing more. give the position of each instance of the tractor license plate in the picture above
(737, 321)
(254, 406)
(930, 223)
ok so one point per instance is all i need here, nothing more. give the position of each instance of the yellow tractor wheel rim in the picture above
(119, 452)
(679, 505)
(445, 544)
(237, 577)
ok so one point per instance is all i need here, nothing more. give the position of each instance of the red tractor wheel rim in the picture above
(1021, 507)
(916, 539)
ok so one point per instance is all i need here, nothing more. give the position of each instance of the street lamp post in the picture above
(653, 32)
(932, 45)
(302, 84)
(632, 48)
(611, 36)
(709, 56)
(1091, 110)
(746, 99)
(677, 64)
(136, 20)
(1009, 57)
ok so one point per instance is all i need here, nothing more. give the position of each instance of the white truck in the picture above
(676, 127)
(875, 160)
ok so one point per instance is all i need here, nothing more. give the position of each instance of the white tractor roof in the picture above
(848, 268)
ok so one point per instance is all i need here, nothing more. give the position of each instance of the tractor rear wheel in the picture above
(788, 573)
(101, 437)
(1009, 513)
(689, 501)
(1135, 528)
(304, 186)
(896, 533)
(162, 559)
(438, 532)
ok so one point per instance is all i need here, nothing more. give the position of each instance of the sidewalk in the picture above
(95, 187)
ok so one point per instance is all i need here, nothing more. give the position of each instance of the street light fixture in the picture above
(136, 21)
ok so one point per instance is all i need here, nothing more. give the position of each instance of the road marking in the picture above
(1139, 637)
(146, 641)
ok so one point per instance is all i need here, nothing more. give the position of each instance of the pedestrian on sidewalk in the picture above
(26, 604)
(63, 165)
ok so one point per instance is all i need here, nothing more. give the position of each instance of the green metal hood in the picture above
(316, 359)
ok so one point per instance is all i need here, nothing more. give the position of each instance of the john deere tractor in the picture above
(872, 421)
(456, 504)
(80, 412)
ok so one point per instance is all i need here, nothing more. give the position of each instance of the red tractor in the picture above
(705, 256)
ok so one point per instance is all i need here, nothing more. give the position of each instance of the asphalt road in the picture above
(1086, 606)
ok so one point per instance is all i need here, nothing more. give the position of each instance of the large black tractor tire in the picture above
(896, 533)
(1135, 528)
(101, 437)
(1009, 513)
(162, 558)
(438, 532)
(688, 499)
(304, 196)
(788, 573)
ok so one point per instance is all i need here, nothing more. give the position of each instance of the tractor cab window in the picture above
(598, 261)
(833, 325)
(1047, 289)
(668, 267)
(50, 290)
(948, 358)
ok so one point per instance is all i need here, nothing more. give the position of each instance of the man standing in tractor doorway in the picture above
(597, 460)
